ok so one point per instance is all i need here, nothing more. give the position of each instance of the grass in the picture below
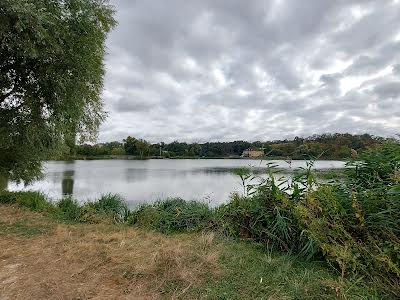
(253, 273)
(108, 208)
(122, 261)
(207, 267)
(173, 215)
(22, 228)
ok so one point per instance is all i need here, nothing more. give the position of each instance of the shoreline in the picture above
(128, 157)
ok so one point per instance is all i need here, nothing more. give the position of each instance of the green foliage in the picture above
(337, 222)
(253, 272)
(326, 146)
(34, 200)
(8, 197)
(107, 208)
(354, 224)
(110, 205)
(357, 223)
(69, 209)
(130, 145)
(51, 77)
(117, 151)
(376, 168)
(100, 149)
(22, 228)
(142, 147)
(246, 177)
(173, 215)
(267, 216)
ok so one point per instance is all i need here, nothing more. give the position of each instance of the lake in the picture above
(139, 181)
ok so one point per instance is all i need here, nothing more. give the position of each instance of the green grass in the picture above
(252, 272)
(23, 228)
(107, 208)
(69, 209)
(173, 215)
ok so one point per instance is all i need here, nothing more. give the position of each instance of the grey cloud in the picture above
(228, 70)
(130, 105)
(388, 90)
(396, 69)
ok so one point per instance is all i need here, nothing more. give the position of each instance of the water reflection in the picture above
(135, 175)
(67, 183)
(232, 170)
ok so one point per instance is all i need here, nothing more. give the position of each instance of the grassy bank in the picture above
(108, 260)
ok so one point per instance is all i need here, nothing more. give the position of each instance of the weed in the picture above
(173, 215)
(8, 197)
(69, 209)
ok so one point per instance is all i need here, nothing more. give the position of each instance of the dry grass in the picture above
(41, 258)
(99, 261)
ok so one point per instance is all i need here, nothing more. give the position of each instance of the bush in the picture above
(173, 215)
(349, 237)
(354, 224)
(107, 207)
(69, 209)
(35, 201)
(8, 198)
(357, 223)
(267, 217)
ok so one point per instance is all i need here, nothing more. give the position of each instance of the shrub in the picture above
(377, 169)
(348, 235)
(8, 197)
(107, 207)
(173, 215)
(69, 209)
(357, 223)
(89, 214)
(35, 201)
(265, 217)
(354, 223)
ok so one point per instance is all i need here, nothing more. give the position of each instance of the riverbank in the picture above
(45, 258)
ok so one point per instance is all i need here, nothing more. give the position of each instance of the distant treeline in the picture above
(324, 146)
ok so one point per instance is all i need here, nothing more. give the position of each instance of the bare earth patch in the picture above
(98, 261)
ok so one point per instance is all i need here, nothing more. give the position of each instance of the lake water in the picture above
(139, 181)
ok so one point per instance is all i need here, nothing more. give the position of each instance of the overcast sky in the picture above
(213, 70)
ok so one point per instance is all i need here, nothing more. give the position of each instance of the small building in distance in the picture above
(253, 152)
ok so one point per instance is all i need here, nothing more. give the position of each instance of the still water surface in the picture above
(139, 181)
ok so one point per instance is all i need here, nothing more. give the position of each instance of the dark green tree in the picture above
(130, 145)
(142, 147)
(51, 78)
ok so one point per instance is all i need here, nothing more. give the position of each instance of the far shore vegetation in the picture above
(326, 146)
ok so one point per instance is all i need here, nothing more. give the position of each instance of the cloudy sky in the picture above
(214, 70)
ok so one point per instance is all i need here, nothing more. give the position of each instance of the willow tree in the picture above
(51, 78)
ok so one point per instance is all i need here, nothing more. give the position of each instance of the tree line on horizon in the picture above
(324, 146)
